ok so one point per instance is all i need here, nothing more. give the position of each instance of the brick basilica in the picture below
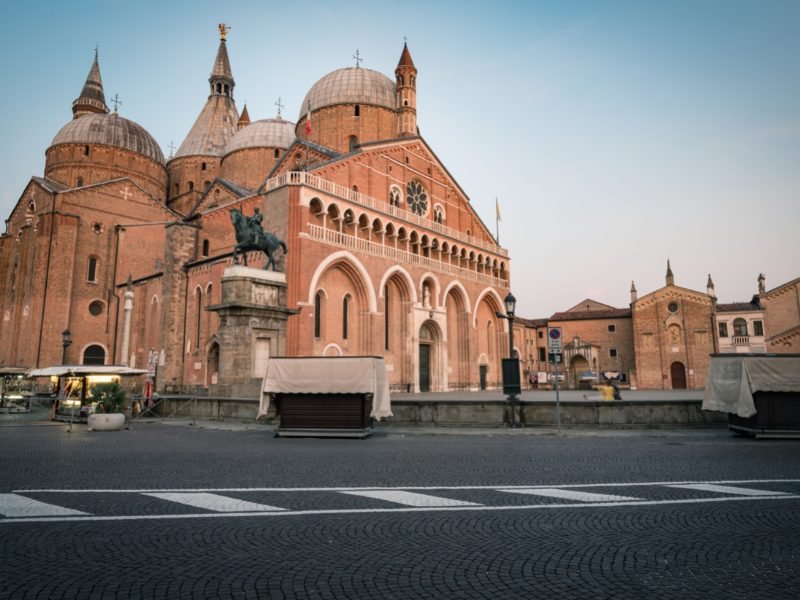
(385, 256)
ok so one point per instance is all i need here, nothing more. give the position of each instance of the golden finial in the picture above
(223, 31)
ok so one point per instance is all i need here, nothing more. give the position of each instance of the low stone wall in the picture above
(491, 413)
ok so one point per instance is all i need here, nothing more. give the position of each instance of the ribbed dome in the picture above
(111, 130)
(351, 85)
(266, 133)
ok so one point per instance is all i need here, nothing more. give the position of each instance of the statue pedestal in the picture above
(252, 328)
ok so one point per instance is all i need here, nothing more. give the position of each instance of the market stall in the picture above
(760, 392)
(15, 390)
(72, 386)
(326, 397)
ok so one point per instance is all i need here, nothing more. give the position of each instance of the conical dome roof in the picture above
(351, 85)
(110, 130)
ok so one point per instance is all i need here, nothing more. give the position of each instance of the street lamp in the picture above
(66, 340)
(511, 383)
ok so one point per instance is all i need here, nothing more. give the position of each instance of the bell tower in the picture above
(406, 76)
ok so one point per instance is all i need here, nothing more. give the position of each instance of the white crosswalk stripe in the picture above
(726, 489)
(214, 502)
(12, 505)
(410, 498)
(569, 494)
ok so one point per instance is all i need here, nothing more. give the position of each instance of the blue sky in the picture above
(615, 134)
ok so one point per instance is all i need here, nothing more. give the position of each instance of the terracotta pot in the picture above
(106, 422)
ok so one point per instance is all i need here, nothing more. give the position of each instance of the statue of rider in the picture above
(259, 238)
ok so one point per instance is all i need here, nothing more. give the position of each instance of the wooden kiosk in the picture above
(326, 396)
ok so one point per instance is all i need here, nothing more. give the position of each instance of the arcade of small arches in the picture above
(347, 221)
(432, 337)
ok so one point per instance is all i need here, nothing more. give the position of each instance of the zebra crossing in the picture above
(59, 505)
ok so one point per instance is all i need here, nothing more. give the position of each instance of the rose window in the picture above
(416, 197)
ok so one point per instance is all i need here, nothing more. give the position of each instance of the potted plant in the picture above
(109, 414)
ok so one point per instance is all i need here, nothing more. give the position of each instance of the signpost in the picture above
(556, 347)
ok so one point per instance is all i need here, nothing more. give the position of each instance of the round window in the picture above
(416, 197)
(96, 308)
(672, 307)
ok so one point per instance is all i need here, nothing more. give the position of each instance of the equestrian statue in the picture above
(250, 235)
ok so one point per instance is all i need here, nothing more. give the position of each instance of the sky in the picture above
(614, 134)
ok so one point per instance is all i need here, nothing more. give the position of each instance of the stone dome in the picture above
(352, 85)
(265, 133)
(110, 130)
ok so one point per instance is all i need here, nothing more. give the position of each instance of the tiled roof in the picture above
(614, 313)
(213, 129)
(111, 130)
(352, 85)
(266, 133)
(754, 304)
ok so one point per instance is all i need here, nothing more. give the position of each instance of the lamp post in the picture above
(66, 341)
(511, 383)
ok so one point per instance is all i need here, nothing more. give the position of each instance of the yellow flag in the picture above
(497, 209)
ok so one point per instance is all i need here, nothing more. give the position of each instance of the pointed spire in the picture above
(406, 82)
(244, 118)
(221, 78)
(670, 276)
(634, 293)
(710, 287)
(405, 57)
(91, 99)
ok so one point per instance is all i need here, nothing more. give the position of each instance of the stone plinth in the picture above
(253, 317)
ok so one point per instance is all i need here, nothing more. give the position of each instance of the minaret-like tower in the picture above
(196, 163)
(244, 118)
(406, 74)
(670, 276)
(710, 287)
(634, 293)
(92, 99)
(221, 79)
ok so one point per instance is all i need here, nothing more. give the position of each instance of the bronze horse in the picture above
(245, 240)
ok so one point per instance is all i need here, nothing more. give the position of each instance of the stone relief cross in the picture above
(125, 193)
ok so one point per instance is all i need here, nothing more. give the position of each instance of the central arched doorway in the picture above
(678, 375)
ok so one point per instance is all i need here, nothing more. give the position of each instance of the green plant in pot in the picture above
(110, 397)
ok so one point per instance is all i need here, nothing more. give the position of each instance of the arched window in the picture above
(318, 315)
(740, 327)
(345, 313)
(198, 293)
(86, 150)
(353, 142)
(91, 271)
(357, 111)
(277, 153)
(227, 89)
(190, 184)
(206, 185)
(203, 166)
(79, 182)
(219, 88)
(94, 355)
(205, 247)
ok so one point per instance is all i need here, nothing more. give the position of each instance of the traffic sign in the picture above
(554, 340)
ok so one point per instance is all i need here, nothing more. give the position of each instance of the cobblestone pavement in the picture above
(174, 511)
